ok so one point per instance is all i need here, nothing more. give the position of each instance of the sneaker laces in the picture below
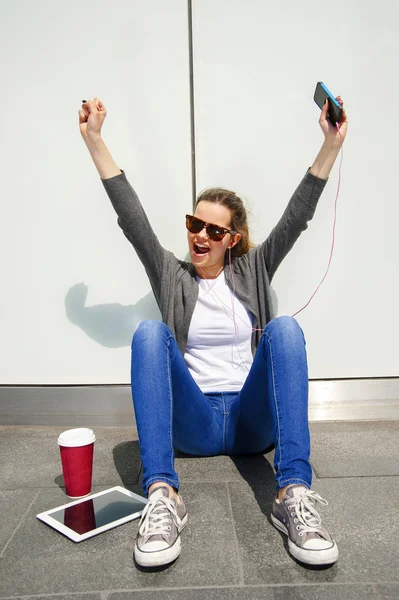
(156, 518)
(305, 511)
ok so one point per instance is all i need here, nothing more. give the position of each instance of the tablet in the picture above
(91, 515)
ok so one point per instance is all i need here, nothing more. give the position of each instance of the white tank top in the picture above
(218, 353)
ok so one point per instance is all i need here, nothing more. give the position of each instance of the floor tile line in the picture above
(19, 524)
(104, 594)
(54, 595)
(62, 487)
(233, 522)
(4, 432)
(191, 482)
(139, 474)
(238, 587)
(314, 469)
(355, 476)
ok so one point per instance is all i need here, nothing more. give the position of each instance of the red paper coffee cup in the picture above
(77, 448)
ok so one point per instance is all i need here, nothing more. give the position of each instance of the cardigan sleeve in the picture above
(293, 222)
(134, 223)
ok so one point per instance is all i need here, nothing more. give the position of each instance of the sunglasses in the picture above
(213, 232)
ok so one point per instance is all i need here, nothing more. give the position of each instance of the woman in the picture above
(219, 374)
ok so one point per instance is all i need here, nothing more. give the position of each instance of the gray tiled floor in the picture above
(230, 549)
(371, 447)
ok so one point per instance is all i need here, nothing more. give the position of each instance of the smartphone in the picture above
(322, 93)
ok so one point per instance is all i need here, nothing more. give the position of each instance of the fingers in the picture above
(324, 111)
(99, 104)
(93, 105)
(344, 117)
(89, 107)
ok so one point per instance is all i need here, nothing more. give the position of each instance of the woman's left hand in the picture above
(330, 131)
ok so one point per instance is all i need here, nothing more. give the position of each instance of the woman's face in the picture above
(206, 255)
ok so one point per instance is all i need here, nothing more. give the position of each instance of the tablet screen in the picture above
(96, 512)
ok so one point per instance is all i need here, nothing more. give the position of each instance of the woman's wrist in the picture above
(325, 159)
(93, 140)
(332, 144)
(101, 156)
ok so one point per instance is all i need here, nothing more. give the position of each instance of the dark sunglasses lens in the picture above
(215, 233)
(194, 225)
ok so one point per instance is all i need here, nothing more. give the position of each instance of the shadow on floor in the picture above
(127, 462)
(258, 473)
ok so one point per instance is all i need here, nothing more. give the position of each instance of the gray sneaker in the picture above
(297, 517)
(158, 539)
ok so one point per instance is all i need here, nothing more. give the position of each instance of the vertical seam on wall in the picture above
(192, 112)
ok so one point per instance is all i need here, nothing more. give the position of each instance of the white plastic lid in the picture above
(76, 437)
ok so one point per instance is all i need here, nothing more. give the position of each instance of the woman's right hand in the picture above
(91, 118)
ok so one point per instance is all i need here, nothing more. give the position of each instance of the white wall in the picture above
(256, 65)
(59, 233)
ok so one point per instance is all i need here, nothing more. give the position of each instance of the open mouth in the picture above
(201, 249)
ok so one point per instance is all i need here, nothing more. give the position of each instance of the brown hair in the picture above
(239, 220)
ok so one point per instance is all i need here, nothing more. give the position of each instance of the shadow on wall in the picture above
(111, 325)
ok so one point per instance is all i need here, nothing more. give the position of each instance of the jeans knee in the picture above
(286, 328)
(148, 331)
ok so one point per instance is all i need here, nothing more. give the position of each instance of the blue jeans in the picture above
(271, 408)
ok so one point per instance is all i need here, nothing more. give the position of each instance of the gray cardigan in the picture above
(173, 281)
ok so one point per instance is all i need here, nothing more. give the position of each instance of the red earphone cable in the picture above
(325, 275)
(335, 221)
(332, 245)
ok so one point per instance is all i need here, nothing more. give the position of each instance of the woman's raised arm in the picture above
(132, 218)
(91, 119)
(333, 139)
(303, 203)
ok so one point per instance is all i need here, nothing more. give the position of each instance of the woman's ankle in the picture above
(282, 491)
(172, 492)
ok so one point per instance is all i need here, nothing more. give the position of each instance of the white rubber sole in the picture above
(328, 556)
(160, 557)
